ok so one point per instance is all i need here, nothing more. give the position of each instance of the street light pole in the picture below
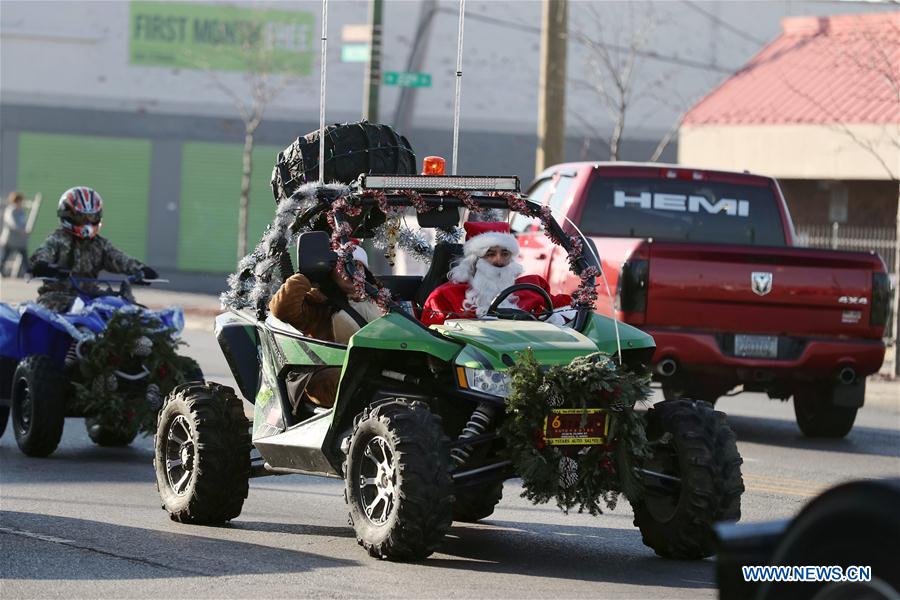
(373, 68)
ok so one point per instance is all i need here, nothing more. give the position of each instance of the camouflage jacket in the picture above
(83, 258)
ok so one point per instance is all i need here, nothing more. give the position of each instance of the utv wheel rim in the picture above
(26, 407)
(662, 498)
(181, 453)
(377, 483)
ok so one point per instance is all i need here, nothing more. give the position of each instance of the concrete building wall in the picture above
(840, 151)
(67, 70)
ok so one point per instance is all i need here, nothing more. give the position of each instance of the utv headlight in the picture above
(486, 381)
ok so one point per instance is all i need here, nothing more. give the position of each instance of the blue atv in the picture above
(45, 358)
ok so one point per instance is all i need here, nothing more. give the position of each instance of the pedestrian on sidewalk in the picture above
(14, 237)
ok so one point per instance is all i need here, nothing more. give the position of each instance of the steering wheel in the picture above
(517, 314)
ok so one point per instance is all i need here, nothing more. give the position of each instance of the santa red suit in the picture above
(474, 282)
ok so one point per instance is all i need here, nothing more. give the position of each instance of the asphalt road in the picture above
(86, 522)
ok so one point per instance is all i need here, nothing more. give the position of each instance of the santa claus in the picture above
(488, 267)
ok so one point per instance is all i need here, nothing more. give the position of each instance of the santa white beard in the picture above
(487, 282)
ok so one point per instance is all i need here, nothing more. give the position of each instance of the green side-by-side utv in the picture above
(414, 428)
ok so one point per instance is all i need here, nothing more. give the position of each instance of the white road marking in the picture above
(37, 536)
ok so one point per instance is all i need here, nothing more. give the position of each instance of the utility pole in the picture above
(551, 130)
(373, 69)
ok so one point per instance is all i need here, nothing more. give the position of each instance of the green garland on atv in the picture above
(583, 476)
(131, 340)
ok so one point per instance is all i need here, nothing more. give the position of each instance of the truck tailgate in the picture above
(779, 291)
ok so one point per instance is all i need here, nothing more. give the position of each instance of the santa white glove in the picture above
(563, 317)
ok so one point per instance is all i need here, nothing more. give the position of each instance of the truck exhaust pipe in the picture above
(847, 375)
(666, 367)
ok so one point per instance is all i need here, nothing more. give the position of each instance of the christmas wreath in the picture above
(132, 342)
(582, 476)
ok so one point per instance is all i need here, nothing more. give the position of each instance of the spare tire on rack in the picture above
(350, 149)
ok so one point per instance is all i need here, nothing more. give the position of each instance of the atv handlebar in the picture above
(125, 284)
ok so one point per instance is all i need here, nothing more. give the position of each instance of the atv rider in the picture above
(75, 247)
(327, 310)
(488, 267)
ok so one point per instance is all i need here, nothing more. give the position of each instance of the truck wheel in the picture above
(202, 454)
(818, 418)
(398, 482)
(693, 444)
(103, 436)
(476, 502)
(38, 405)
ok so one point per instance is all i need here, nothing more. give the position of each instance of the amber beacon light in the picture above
(433, 165)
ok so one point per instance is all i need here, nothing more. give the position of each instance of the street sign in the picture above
(402, 79)
(355, 53)
(356, 33)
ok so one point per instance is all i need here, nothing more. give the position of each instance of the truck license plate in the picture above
(756, 346)
(564, 427)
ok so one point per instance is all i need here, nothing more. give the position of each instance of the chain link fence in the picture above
(882, 240)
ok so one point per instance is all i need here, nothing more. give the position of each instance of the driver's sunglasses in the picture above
(86, 218)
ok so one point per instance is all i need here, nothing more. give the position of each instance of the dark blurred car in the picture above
(856, 524)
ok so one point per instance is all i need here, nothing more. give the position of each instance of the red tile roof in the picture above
(819, 70)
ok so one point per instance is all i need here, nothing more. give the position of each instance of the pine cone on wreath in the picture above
(143, 346)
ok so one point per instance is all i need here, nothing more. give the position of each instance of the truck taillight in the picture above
(881, 299)
(633, 284)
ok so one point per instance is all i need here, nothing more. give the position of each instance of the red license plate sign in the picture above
(565, 427)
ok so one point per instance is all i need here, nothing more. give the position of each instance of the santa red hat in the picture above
(483, 235)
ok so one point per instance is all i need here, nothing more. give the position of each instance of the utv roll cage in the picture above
(439, 194)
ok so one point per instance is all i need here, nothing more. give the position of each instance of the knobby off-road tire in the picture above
(397, 467)
(38, 405)
(817, 417)
(673, 392)
(192, 372)
(202, 454)
(109, 438)
(4, 418)
(476, 502)
(676, 520)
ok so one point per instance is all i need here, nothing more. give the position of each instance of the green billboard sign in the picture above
(221, 37)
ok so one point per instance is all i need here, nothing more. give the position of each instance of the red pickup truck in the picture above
(706, 262)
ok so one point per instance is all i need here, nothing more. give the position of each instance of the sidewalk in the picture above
(199, 309)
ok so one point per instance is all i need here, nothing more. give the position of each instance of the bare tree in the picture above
(614, 68)
(261, 85)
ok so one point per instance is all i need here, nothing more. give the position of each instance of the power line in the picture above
(725, 24)
(683, 62)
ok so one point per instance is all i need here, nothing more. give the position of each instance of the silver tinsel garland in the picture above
(407, 239)
(253, 283)
(450, 235)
